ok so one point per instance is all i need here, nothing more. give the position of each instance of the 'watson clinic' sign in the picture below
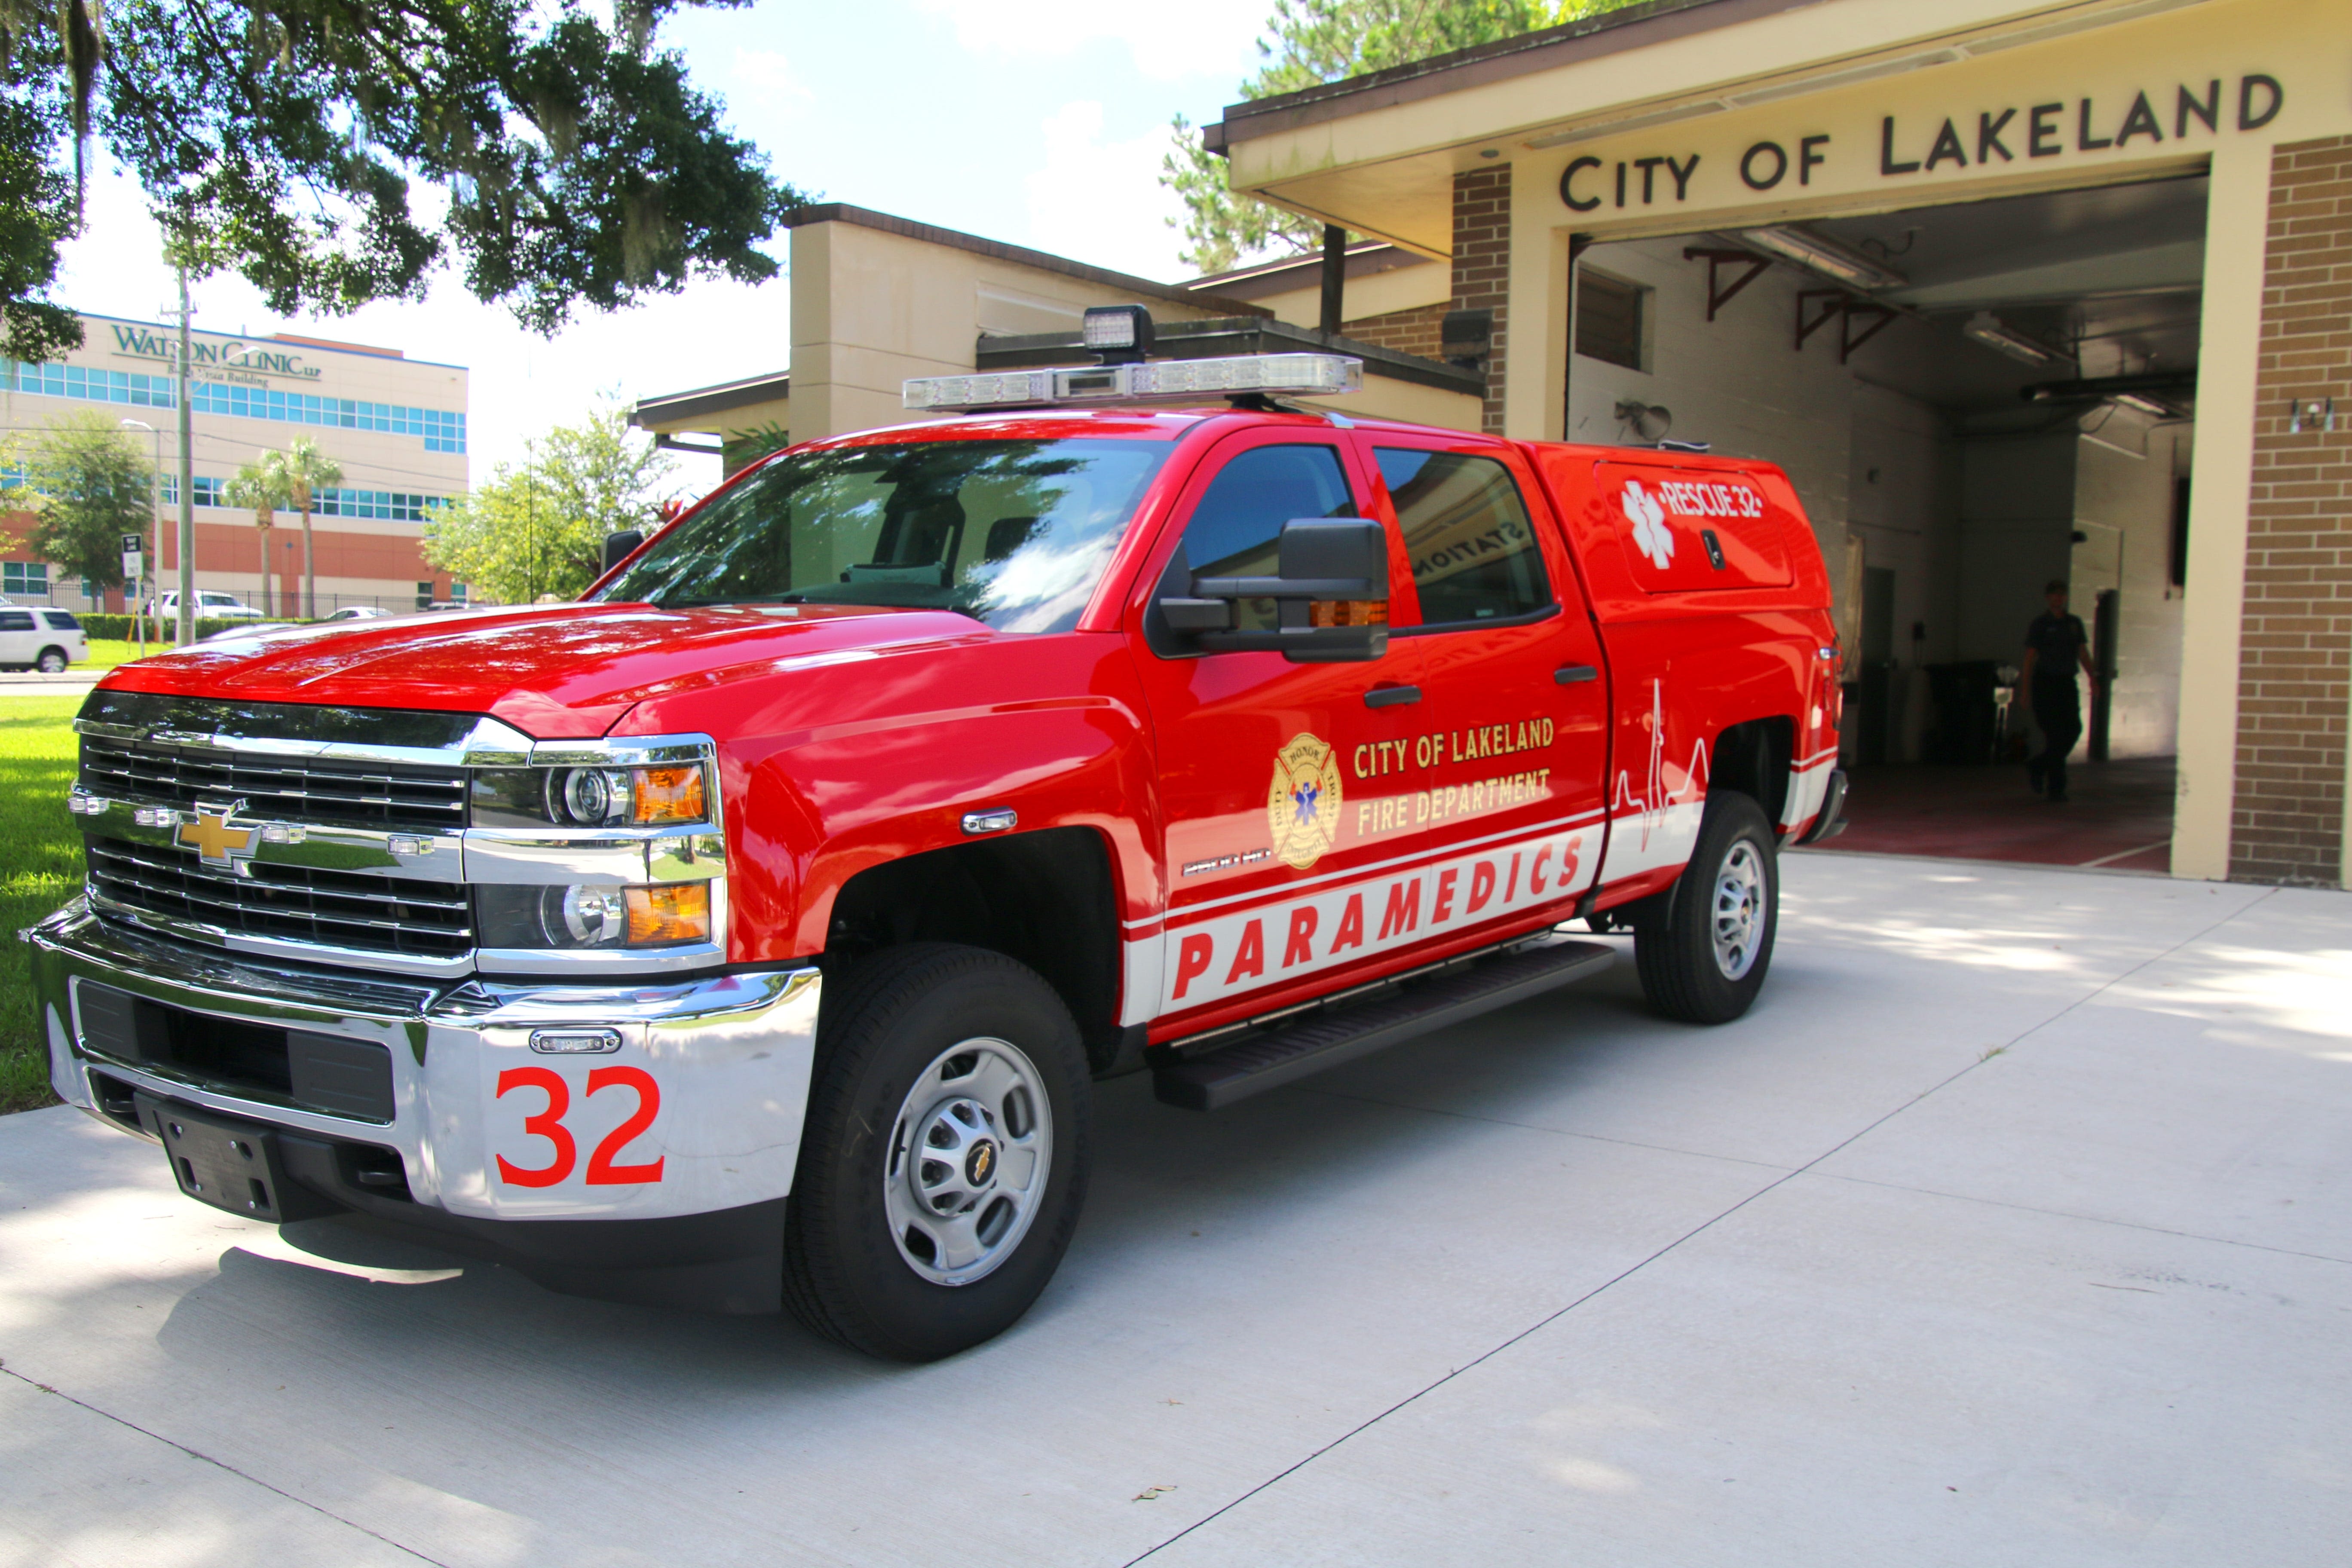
(224, 358)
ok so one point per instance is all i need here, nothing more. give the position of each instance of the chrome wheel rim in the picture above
(1740, 909)
(969, 1156)
(52, 665)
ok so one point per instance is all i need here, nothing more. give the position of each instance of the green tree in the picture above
(263, 487)
(1308, 43)
(88, 482)
(540, 528)
(576, 163)
(302, 471)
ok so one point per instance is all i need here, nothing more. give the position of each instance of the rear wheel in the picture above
(53, 661)
(943, 1162)
(1703, 946)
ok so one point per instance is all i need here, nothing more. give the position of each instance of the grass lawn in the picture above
(40, 867)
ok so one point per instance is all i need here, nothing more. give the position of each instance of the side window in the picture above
(1238, 521)
(16, 621)
(1474, 551)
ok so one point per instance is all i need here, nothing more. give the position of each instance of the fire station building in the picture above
(395, 426)
(2016, 290)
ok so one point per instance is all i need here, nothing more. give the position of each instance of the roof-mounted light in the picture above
(1119, 334)
(1164, 381)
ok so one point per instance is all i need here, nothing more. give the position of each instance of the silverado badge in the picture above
(1302, 805)
(211, 837)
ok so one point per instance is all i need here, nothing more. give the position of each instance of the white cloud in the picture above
(1102, 201)
(1167, 42)
(769, 74)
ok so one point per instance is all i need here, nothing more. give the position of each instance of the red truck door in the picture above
(1261, 759)
(1509, 768)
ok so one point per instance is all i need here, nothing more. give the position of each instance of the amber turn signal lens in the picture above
(660, 917)
(1347, 612)
(668, 794)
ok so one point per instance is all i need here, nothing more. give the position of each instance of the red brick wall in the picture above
(1414, 331)
(1481, 266)
(2295, 676)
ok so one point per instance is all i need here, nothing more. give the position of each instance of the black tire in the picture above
(845, 1276)
(1675, 943)
(53, 661)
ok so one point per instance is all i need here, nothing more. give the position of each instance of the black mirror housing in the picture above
(1319, 559)
(619, 547)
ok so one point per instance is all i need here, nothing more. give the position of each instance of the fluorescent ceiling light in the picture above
(2146, 404)
(1824, 256)
(1986, 328)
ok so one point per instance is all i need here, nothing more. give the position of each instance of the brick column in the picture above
(2295, 682)
(1482, 267)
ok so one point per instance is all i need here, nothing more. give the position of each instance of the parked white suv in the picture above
(50, 641)
(210, 606)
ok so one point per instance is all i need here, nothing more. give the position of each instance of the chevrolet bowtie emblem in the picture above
(211, 837)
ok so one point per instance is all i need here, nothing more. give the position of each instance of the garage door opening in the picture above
(1976, 401)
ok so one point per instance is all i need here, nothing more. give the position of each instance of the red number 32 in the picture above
(549, 1124)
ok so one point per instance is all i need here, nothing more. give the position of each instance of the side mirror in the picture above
(1330, 596)
(619, 547)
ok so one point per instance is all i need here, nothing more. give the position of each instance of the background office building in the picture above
(397, 426)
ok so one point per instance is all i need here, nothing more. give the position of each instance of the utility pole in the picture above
(187, 480)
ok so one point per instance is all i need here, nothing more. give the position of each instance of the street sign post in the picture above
(134, 556)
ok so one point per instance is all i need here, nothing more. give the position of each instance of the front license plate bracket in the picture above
(229, 1163)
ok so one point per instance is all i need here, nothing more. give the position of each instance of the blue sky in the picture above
(1040, 122)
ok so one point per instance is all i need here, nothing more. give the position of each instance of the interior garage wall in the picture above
(2017, 524)
(1904, 504)
(2133, 495)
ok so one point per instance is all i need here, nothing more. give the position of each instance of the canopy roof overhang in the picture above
(1378, 153)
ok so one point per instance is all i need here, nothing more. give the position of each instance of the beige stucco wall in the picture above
(871, 308)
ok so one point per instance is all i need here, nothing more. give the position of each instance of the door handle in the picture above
(1391, 696)
(1576, 674)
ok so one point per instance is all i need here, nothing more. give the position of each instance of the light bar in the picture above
(1306, 375)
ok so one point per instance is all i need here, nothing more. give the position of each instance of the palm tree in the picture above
(262, 486)
(305, 471)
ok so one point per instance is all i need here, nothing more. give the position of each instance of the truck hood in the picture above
(554, 672)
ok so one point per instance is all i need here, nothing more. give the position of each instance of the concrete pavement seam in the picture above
(2085, 1218)
(1703, 1226)
(217, 1464)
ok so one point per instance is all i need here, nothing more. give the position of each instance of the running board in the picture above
(1259, 1062)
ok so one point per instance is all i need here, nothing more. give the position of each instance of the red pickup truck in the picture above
(747, 934)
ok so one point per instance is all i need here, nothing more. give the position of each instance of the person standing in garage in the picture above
(2054, 644)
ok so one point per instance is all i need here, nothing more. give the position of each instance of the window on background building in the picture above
(424, 596)
(208, 491)
(1611, 318)
(457, 592)
(443, 430)
(31, 577)
(395, 505)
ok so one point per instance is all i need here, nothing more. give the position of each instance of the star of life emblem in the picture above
(1302, 803)
(1647, 513)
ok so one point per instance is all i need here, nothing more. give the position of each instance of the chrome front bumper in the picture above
(686, 1101)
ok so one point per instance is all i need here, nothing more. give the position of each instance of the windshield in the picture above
(1015, 533)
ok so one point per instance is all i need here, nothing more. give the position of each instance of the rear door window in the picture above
(1466, 531)
(1688, 530)
(16, 621)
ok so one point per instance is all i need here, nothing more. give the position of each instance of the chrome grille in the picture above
(322, 791)
(337, 908)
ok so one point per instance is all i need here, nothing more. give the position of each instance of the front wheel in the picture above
(1703, 946)
(943, 1162)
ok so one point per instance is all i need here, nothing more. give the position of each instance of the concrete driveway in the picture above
(2011, 1230)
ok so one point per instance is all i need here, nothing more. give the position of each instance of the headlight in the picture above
(591, 797)
(593, 915)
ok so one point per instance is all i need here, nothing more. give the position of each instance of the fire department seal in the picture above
(1302, 805)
